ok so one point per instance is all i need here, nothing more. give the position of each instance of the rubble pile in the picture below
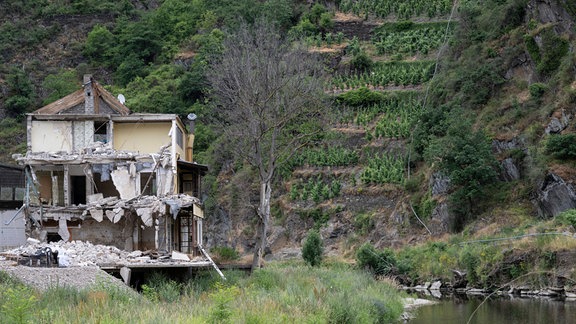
(86, 254)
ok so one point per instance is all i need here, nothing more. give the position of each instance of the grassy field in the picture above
(280, 293)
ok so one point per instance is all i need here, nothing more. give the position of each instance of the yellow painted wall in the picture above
(51, 136)
(144, 137)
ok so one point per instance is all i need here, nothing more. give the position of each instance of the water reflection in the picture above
(498, 310)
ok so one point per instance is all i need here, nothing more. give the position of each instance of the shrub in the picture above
(312, 249)
(562, 146)
(381, 262)
(225, 253)
(160, 288)
(360, 97)
(537, 89)
(568, 217)
(361, 62)
(18, 304)
(222, 297)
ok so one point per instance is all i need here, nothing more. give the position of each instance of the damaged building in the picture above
(97, 172)
(12, 192)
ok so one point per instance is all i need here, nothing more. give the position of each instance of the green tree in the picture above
(466, 157)
(312, 249)
(20, 94)
(562, 146)
(100, 45)
(59, 85)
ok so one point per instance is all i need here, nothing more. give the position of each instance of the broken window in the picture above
(100, 132)
(106, 188)
(51, 187)
(148, 184)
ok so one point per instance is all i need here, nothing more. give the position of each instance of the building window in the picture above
(179, 137)
(101, 132)
(150, 179)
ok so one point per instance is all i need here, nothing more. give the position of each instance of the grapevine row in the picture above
(420, 40)
(387, 74)
(315, 189)
(402, 9)
(384, 169)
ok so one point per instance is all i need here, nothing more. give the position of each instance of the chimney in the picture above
(88, 95)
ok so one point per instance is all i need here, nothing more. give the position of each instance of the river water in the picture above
(499, 310)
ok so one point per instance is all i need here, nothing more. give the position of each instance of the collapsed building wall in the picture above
(110, 197)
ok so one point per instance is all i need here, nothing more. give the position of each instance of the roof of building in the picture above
(76, 98)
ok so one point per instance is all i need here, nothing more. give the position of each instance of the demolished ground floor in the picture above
(163, 224)
(85, 255)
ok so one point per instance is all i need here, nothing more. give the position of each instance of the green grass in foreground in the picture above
(280, 293)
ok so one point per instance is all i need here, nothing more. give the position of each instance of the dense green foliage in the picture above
(562, 146)
(386, 74)
(312, 249)
(411, 39)
(380, 262)
(402, 9)
(384, 169)
(316, 189)
(466, 157)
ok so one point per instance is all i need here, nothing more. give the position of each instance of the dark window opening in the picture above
(101, 132)
(190, 184)
(78, 191)
(106, 188)
(53, 237)
(148, 184)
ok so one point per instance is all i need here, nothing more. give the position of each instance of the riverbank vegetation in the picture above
(280, 293)
(528, 253)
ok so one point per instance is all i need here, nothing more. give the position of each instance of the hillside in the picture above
(444, 117)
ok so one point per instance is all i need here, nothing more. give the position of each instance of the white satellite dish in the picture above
(192, 116)
(121, 98)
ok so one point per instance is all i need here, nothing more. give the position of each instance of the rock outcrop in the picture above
(554, 196)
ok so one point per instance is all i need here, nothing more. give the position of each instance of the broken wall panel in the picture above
(51, 136)
(82, 134)
(105, 233)
(125, 183)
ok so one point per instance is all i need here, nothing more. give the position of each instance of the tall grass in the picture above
(280, 293)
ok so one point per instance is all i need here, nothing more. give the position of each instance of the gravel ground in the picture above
(76, 277)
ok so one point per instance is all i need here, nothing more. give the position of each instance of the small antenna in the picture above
(121, 98)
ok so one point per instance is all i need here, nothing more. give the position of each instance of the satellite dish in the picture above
(121, 98)
(192, 116)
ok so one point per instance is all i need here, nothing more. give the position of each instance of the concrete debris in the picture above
(97, 214)
(146, 215)
(86, 254)
(32, 241)
(180, 256)
(63, 229)
(110, 215)
(124, 183)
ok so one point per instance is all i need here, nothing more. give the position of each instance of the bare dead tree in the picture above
(269, 93)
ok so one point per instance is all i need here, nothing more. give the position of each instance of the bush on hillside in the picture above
(312, 249)
(562, 146)
(361, 97)
(379, 262)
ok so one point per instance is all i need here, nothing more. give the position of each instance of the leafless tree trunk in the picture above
(270, 97)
